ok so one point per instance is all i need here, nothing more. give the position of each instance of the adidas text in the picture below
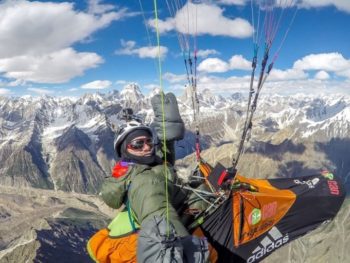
(267, 245)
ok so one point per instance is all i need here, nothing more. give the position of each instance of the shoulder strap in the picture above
(131, 215)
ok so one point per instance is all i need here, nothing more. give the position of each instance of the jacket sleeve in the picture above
(114, 190)
(148, 198)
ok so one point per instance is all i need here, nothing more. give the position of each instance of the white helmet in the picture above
(126, 129)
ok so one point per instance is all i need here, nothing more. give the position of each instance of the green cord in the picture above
(164, 131)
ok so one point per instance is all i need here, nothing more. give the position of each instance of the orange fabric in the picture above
(104, 249)
(205, 169)
(256, 212)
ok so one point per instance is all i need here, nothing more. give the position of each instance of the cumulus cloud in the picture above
(95, 7)
(326, 61)
(288, 81)
(36, 38)
(129, 48)
(239, 62)
(289, 74)
(343, 5)
(56, 67)
(230, 85)
(204, 53)
(322, 75)
(16, 83)
(4, 91)
(36, 28)
(40, 91)
(173, 78)
(224, 85)
(97, 84)
(213, 65)
(121, 82)
(344, 73)
(213, 23)
(233, 2)
(164, 26)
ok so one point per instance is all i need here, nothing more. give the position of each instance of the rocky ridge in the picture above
(55, 150)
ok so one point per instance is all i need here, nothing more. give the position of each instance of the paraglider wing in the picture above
(251, 224)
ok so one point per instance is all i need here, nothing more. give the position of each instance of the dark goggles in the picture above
(140, 143)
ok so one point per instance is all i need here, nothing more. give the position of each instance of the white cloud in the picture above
(233, 2)
(204, 53)
(344, 73)
(36, 38)
(55, 67)
(343, 5)
(220, 85)
(121, 82)
(129, 48)
(163, 26)
(73, 89)
(95, 7)
(224, 85)
(38, 28)
(173, 78)
(212, 23)
(289, 81)
(289, 74)
(327, 61)
(40, 91)
(97, 84)
(4, 91)
(212, 65)
(322, 75)
(239, 62)
(152, 86)
(16, 83)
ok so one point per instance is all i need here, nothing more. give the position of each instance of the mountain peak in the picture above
(131, 93)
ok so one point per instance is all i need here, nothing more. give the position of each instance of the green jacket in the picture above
(144, 187)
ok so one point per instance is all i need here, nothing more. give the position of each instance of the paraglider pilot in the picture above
(146, 185)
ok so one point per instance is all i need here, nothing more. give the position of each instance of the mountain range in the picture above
(67, 144)
(54, 153)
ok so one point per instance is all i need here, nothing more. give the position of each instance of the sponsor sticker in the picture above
(328, 175)
(269, 210)
(255, 216)
(274, 239)
(333, 187)
(259, 228)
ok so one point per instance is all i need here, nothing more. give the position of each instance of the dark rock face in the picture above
(48, 226)
(65, 241)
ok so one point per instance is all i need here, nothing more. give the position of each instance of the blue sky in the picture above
(68, 48)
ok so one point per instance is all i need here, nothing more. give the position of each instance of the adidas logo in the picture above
(310, 183)
(273, 240)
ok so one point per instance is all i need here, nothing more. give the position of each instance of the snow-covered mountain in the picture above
(67, 144)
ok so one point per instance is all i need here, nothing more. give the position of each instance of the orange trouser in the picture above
(105, 249)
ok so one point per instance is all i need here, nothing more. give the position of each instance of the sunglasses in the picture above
(140, 143)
